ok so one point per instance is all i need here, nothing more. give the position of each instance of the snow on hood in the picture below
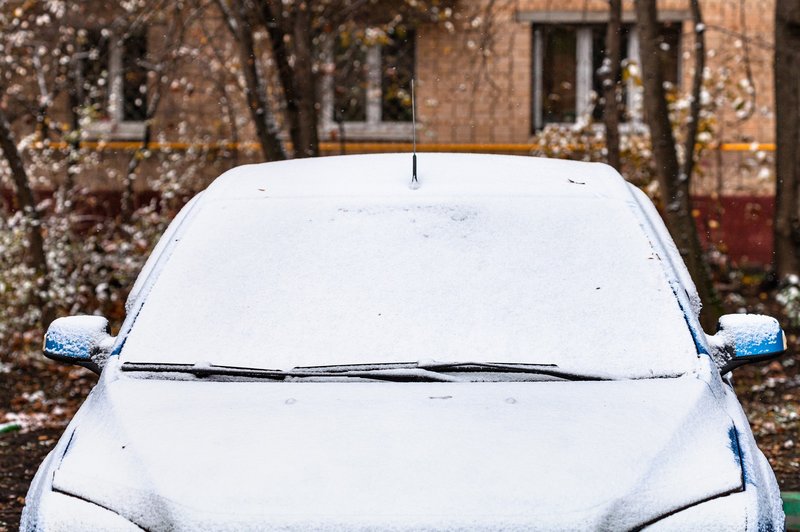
(190, 455)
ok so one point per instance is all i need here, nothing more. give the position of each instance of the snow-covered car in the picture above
(506, 343)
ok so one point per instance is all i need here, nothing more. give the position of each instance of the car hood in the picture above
(197, 455)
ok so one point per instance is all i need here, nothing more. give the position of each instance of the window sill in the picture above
(396, 131)
(632, 127)
(110, 130)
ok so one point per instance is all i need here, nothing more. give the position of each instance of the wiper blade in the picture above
(395, 374)
(549, 370)
(423, 371)
(392, 374)
(203, 370)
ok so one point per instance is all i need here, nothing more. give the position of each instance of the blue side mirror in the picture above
(745, 338)
(82, 340)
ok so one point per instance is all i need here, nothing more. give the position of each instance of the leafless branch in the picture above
(751, 87)
(697, 87)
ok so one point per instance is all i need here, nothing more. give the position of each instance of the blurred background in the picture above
(113, 114)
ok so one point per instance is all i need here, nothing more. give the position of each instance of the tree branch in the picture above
(37, 257)
(697, 87)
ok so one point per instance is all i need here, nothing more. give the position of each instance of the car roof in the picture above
(439, 174)
(388, 175)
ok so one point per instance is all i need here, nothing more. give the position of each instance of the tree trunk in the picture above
(75, 97)
(673, 185)
(160, 65)
(697, 87)
(237, 17)
(611, 82)
(37, 258)
(127, 203)
(297, 79)
(787, 138)
(308, 143)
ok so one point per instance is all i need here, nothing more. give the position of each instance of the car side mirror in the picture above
(82, 340)
(745, 338)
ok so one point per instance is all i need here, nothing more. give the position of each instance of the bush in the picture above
(93, 263)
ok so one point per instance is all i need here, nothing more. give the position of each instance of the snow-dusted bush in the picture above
(789, 297)
(727, 99)
(92, 266)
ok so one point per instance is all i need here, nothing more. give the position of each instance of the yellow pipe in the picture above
(351, 147)
(743, 146)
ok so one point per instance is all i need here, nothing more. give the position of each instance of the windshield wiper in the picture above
(549, 370)
(395, 374)
(423, 371)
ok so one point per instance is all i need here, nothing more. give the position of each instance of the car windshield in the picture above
(286, 282)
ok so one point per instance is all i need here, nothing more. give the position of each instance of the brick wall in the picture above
(475, 86)
(478, 89)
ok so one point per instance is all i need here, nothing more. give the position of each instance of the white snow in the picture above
(74, 335)
(159, 254)
(67, 514)
(724, 514)
(338, 261)
(757, 326)
(543, 456)
(676, 270)
(749, 333)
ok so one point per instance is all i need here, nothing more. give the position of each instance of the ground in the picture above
(43, 396)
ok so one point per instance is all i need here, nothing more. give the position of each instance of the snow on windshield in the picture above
(279, 282)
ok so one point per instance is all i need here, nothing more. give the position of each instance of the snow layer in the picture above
(724, 514)
(68, 514)
(338, 261)
(256, 455)
(752, 333)
(676, 269)
(744, 335)
(76, 337)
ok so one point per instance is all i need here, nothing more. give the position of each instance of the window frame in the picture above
(583, 22)
(114, 126)
(374, 127)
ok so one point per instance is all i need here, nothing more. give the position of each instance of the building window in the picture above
(368, 91)
(566, 61)
(112, 83)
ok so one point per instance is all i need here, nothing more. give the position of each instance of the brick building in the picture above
(487, 80)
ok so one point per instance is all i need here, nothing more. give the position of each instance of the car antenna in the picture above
(414, 182)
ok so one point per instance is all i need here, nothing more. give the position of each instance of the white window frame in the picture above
(374, 127)
(114, 127)
(583, 78)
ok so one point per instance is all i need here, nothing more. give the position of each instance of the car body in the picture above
(507, 343)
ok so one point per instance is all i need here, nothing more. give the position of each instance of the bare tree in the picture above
(787, 136)
(291, 36)
(160, 65)
(672, 178)
(689, 151)
(611, 82)
(238, 17)
(47, 56)
(295, 29)
(24, 196)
